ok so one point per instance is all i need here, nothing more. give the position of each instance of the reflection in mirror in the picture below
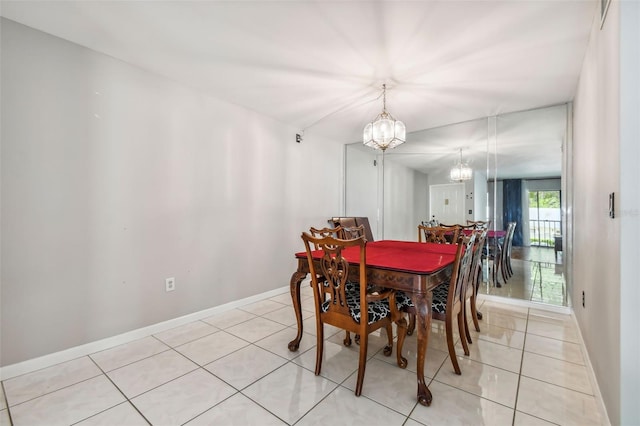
(516, 160)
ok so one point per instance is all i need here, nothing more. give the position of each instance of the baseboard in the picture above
(592, 375)
(13, 370)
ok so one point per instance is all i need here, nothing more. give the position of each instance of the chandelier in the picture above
(385, 131)
(461, 171)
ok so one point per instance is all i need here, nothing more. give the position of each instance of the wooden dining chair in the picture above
(485, 224)
(444, 234)
(448, 298)
(473, 282)
(493, 254)
(345, 233)
(354, 221)
(362, 313)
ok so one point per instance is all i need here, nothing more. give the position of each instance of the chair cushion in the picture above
(377, 310)
(438, 301)
(403, 300)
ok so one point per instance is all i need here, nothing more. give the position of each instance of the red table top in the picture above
(403, 256)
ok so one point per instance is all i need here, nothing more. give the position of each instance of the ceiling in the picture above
(319, 65)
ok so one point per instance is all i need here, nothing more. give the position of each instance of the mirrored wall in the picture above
(517, 163)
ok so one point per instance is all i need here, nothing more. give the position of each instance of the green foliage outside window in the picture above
(545, 199)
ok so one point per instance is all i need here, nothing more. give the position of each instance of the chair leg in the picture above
(474, 313)
(452, 351)
(467, 334)
(504, 270)
(412, 324)
(319, 347)
(362, 363)
(462, 332)
(347, 339)
(496, 266)
(389, 348)
(402, 332)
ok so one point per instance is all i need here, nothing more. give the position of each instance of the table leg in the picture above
(296, 279)
(422, 302)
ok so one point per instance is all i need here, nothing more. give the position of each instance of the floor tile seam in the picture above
(261, 406)
(28, 373)
(498, 343)
(254, 381)
(105, 371)
(203, 412)
(212, 361)
(127, 400)
(550, 320)
(195, 368)
(49, 392)
(537, 417)
(237, 337)
(262, 313)
(119, 390)
(341, 385)
(488, 365)
(237, 391)
(167, 348)
(232, 325)
(560, 386)
(473, 394)
(524, 343)
(499, 326)
(463, 357)
(6, 402)
(189, 341)
(549, 337)
(69, 386)
(263, 337)
(313, 370)
(557, 359)
(337, 385)
(267, 350)
(133, 398)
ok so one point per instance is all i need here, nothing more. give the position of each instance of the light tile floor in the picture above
(538, 276)
(526, 367)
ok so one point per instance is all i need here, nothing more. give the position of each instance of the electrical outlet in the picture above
(583, 298)
(170, 284)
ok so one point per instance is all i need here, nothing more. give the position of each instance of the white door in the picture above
(447, 203)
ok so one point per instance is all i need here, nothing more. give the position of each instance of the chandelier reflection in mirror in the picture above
(385, 131)
(461, 171)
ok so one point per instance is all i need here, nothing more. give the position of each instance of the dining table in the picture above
(413, 267)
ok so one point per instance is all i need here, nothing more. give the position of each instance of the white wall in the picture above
(480, 196)
(596, 237)
(114, 179)
(629, 210)
(405, 201)
(405, 194)
(469, 190)
(361, 186)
